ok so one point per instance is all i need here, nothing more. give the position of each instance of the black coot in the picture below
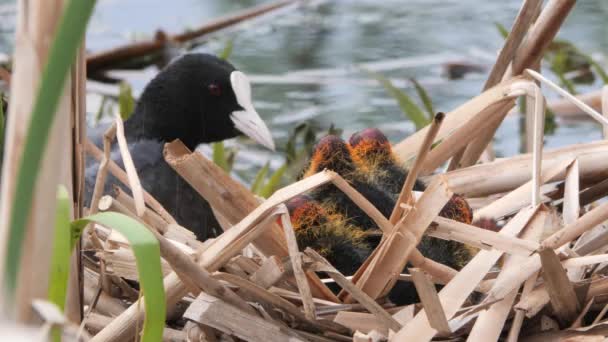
(198, 98)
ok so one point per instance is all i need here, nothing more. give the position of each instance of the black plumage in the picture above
(197, 99)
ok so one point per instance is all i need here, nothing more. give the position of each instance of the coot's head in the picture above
(331, 152)
(198, 98)
(370, 146)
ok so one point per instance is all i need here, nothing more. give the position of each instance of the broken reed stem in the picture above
(121, 175)
(132, 176)
(296, 263)
(529, 54)
(430, 302)
(425, 147)
(524, 19)
(541, 34)
(102, 172)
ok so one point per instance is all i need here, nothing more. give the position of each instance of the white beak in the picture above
(247, 120)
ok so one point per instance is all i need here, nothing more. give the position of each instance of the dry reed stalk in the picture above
(134, 183)
(456, 291)
(430, 302)
(455, 142)
(213, 312)
(74, 297)
(412, 176)
(102, 172)
(541, 34)
(321, 265)
(507, 174)
(520, 197)
(394, 251)
(296, 264)
(253, 292)
(561, 292)
(490, 322)
(481, 238)
(528, 55)
(121, 175)
(36, 24)
(360, 321)
(514, 276)
(408, 147)
(270, 272)
(527, 14)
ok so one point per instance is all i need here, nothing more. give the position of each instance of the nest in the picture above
(541, 276)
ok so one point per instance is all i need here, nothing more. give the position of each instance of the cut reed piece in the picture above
(521, 197)
(430, 302)
(213, 312)
(134, 183)
(270, 272)
(561, 292)
(254, 293)
(412, 176)
(481, 238)
(296, 264)
(507, 174)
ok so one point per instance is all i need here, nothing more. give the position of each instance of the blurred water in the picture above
(337, 34)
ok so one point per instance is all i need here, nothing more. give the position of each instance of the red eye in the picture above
(215, 89)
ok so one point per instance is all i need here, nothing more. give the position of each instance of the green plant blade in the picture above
(61, 56)
(274, 182)
(425, 98)
(126, 102)
(147, 257)
(259, 178)
(227, 51)
(62, 249)
(60, 260)
(219, 155)
(502, 30)
(407, 105)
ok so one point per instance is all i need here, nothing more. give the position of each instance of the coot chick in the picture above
(332, 153)
(198, 98)
(328, 233)
(373, 154)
